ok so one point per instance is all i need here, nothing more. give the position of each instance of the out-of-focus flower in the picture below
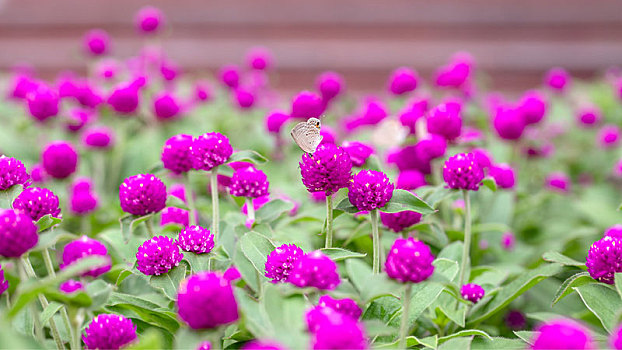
(205, 300)
(562, 334)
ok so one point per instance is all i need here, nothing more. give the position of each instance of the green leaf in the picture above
(337, 254)
(197, 262)
(497, 343)
(575, 280)
(464, 333)
(247, 156)
(49, 238)
(147, 311)
(150, 339)
(7, 197)
(169, 282)
(156, 169)
(456, 343)
(603, 301)
(173, 201)
(49, 311)
(490, 184)
(403, 200)
(285, 317)
(412, 341)
(618, 283)
(129, 223)
(246, 268)
(369, 285)
(273, 210)
(46, 222)
(346, 206)
(373, 163)
(256, 248)
(99, 291)
(556, 257)
(526, 336)
(78, 298)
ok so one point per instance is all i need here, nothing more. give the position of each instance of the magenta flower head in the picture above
(82, 202)
(615, 340)
(83, 248)
(124, 98)
(346, 306)
(70, 286)
(81, 184)
(515, 320)
(177, 154)
(327, 170)
(99, 137)
(259, 58)
(203, 91)
(307, 105)
(230, 76)
(21, 86)
(430, 147)
(281, 261)
(262, 345)
(37, 202)
(589, 116)
(174, 215)
(483, 157)
(38, 174)
(472, 292)
(149, 19)
(609, 136)
(43, 103)
(398, 222)
(508, 241)
(96, 42)
(462, 172)
(211, 150)
(142, 194)
(244, 97)
(445, 120)
(195, 239)
(410, 180)
(614, 231)
(109, 331)
(4, 284)
(12, 172)
(315, 270)
(558, 182)
(158, 255)
(330, 85)
(562, 334)
(59, 159)
(414, 111)
(206, 300)
(358, 152)
(77, 118)
(605, 259)
(508, 123)
(504, 175)
(370, 190)
(557, 79)
(336, 331)
(275, 121)
(532, 107)
(409, 260)
(402, 80)
(18, 233)
(166, 107)
(249, 182)
(457, 72)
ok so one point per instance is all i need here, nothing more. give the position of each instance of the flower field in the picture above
(146, 208)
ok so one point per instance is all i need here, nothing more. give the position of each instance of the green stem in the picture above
(376, 240)
(215, 215)
(467, 237)
(190, 198)
(329, 221)
(250, 209)
(149, 226)
(404, 325)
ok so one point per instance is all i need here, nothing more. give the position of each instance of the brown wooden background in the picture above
(514, 41)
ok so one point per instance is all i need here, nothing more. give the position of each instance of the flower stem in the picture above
(149, 226)
(190, 198)
(215, 213)
(250, 209)
(404, 325)
(376, 240)
(329, 221)
(467, 237)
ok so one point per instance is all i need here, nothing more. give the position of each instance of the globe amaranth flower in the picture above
(18, 233)
(259, 58)
(307, 105)
(614, 231)
(504, 175)
(280, 262)
(558, 182)
(609, 136)
(232, 274)
(430, 147)
(38, 174)
(195, 239)
(109, 331)
(370, 190)
(358, 152)
(263, 345)
(330, 84)
(77, 119)
(174, 215)
(177, 153)
(81, 197)
(338, 331)
(43, 103)
(462, 172)
(605, 259)
(275, 121)
(532, 107)
(96, 42)
(457, 72)
(410, 180)
(70, 286)
(615, 340)
(206, 300)
(402, 80)
(508, 241)
(204, 345)
(142, 194)
(158, 255)
(482, 157)
(166, 107)
(244, 97)
(409, 260)
(4, 284)
(315, 270)
(82, 248)
(508, 123)
(230, 76)
(211, 150)
(249, 182)
(257, 203)
(12, 172)
(398, 222)
(445, 120)
(22, 85)
(344, 306)
(203, 91)
(149, 20)
(515, 320)
(124, 98)
(99, 137)
(37, 202)
(472, 292)
(59, 159)
(562, 334)
(589, 116)
(557, 79)
(327, 170)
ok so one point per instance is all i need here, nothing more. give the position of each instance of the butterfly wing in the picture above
(306, 136)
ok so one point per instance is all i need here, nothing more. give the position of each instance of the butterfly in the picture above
(307, 135)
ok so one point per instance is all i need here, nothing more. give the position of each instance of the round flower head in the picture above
(206, 300)
(124, 98)
(562, 334)
(329, 84)
(70, 286)
(515, 320)
(109, 331)
(38, 174)
(472, 292)
(158, 255)
(445, 120)
(410, 180)
(609, 136)
(508, 123)
(275, 121)
(96, 42)
(402, 80)
(195, 239)
(614, 231)
(204, 345)
(508, 241)
(77, 118)
(358, 152)
(347, 307)
(605, 259)
(482, 157)
(589, 116)
(82, 248)
(457, 72)
(166, 107)
(408, 158)
(370, 190)
(615, 340)
(203, 91)
(503, 175)
(315, 270)
(149, 19)
(177, 153)
(82, 202)
(557, 79)
(339, 332)
(174, 215)
(230, 76)
(232, 274)
(462, 172)
(398, 222)
(558, 182)
(430, 147)
(244, 97)
(59, 159)
(409, 260)
(259, 58)
(249, 182)
(4, 284)
(142, 194)
(210, 150)
(532, 107)
(100, 137)
(262, 345)
(307, 105)
(43, 103)
(18, 233)
(327, 170)
(37, 202)
(22, 85)
(12, 172)
(281, 261)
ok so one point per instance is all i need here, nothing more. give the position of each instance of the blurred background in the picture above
(513, 42)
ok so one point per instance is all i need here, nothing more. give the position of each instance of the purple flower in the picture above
(398, 222)
(307, 105)
(482, 157)
(206, 300)
(508, 241)
(315, 270)
(330, 84)
(12, 172)
(149, 19)
(615, 340)
(38, 174)
(281, 261)
(327, 170)
(4, 284)
(562, 334)
(605, 259)
(230, 76)
(109, 331)
(503, 175)
(174, 215)
(457, 72)
(262, 345)
(557, 79)
(472, 292)
(259, 58)
(402, 80)
(337, 331)
(18, 233)
(232, 274)
(614, 231)
(609, 136)
(430, 147)
(43, 103)
(60, 159)
(589, 116)
(445, 120)
(409, 260)
(166, 107)
(258, 203)
(100, 137)
(82, 248)
(96, 42)
(532, 107)
(124, 98)
(275, 121)
(414, 111)
(203, 91)
(462, 172)
(508, 123)
(195, 239)
(22, 85)
(558, 182)
(370, 190)
(249, 182)
(37, 202)
(244, 97)
(358, 152)
(204, 345)
(410, 180)
(142, 194)
(211, 150)
(515, 320)
(77, 118)
(158, 255)
(177, 153)
(82, 202)
(70, 286)
(346, 306)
